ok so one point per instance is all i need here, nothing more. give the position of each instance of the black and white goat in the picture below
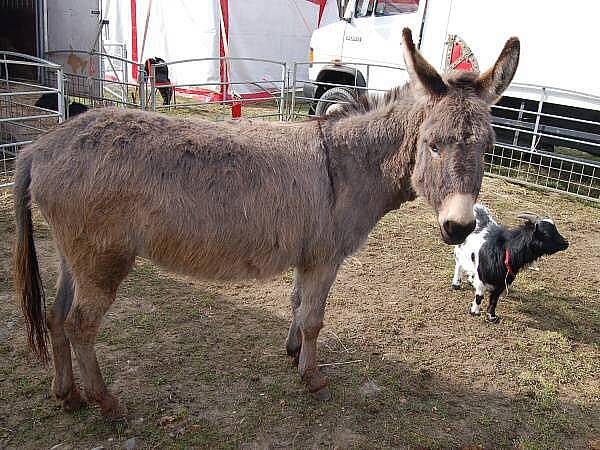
(492, 254)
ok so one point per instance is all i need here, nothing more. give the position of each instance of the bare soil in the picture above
(202, 364)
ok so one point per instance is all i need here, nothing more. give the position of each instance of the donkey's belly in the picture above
(220, 260)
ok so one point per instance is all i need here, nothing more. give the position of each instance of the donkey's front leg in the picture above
(294, 339)
(313, 286)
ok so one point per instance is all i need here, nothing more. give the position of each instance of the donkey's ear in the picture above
(494, 81)
(422, 74)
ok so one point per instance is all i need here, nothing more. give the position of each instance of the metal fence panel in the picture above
(31, 102)
(101, 79)
(536, 146)
(219, 100)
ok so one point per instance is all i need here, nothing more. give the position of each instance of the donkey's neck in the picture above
(374, 153)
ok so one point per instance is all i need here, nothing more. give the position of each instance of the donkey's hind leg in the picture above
(63, 386)
(93, 297)
(313, 285)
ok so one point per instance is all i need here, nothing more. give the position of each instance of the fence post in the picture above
(293, 100)
(60, 86)
(142, 87)
(537, 119)
(153, 87)
(282, 100)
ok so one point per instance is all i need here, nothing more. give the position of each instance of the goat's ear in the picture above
(423, 76)
(493, 82)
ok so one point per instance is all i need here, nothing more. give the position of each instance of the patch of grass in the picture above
(160, 380)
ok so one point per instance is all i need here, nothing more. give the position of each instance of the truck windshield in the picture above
(394, 7)
(364, 8)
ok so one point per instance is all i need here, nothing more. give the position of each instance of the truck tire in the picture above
(331, 97)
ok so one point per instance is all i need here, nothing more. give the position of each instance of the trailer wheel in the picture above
(331, 98)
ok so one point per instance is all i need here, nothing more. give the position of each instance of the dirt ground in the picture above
(409, 368)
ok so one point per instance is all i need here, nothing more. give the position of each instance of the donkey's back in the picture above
(218, 200)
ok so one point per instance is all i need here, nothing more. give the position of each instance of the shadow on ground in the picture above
(196, 369)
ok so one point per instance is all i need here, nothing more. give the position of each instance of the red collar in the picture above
(507, 263)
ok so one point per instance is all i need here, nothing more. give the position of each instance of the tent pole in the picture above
(227, 71)
(145, 30)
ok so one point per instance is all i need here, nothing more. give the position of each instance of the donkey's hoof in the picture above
(317, 384)
(293, 347)
(492, 319)
(456, 287)
(112, 409)
(73, 401)
(116, 414)
(323, 394)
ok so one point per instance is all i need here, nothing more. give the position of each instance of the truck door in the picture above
(72, 25)
(374, 35)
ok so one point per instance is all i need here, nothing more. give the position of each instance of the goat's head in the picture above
(545, 234)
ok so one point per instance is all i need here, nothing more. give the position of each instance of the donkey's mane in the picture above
(366, 103)
(458, 79)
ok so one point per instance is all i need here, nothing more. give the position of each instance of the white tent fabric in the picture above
(188, 29)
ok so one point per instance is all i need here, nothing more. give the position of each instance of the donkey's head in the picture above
(454, 133)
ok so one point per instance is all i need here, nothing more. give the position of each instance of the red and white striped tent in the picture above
(187, 29)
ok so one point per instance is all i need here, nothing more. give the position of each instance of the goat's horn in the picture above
(529, 216)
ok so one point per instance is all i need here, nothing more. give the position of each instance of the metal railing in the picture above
(24, 82)
(236, 97)
(101, 79)
(537, 144)
(303, 104)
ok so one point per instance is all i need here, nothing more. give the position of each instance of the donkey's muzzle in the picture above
(455, 233)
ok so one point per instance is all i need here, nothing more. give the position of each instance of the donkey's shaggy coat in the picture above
(240, 200)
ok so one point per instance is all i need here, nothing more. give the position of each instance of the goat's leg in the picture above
(313, 285)
(63, 386)
(456, 279)
(491, 310)
(475, 308)
(294, 339)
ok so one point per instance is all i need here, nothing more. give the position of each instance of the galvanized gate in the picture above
(24, 80)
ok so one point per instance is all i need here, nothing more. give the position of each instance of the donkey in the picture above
(238, 200)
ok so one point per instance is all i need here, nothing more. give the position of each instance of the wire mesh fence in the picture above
(546, 170)
(539, 143)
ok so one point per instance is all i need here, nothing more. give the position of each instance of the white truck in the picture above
(558, 80)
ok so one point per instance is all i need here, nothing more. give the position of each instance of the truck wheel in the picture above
(328, 102)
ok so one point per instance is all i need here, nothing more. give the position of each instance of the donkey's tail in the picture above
(28, 283)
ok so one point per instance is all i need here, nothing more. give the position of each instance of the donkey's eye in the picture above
(434, 150)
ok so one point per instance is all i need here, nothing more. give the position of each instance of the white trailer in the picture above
(557, 77)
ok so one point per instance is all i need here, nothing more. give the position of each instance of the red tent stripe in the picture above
(134, 50)
(223, 66)
(321, 4)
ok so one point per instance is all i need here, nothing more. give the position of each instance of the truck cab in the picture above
(362, 50)
(553, 102)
